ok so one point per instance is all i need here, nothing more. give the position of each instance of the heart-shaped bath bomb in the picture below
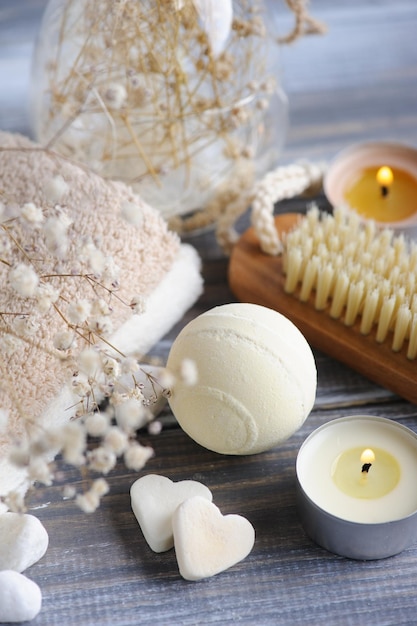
(154, 499)
(23, 541)
(206, 542)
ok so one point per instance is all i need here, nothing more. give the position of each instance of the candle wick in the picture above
(366, 467)
(384, 190)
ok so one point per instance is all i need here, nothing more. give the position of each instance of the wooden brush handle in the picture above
(258, 278)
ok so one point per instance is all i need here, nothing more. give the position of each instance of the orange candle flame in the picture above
(385, 178)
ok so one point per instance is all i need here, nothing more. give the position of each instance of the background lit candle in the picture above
(378, 181)
(384, 178)
(364, 519)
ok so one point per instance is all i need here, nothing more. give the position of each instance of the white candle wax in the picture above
(320, 451)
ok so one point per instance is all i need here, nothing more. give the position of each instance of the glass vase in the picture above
(140, 91)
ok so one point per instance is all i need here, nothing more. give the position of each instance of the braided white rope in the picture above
(283, 183)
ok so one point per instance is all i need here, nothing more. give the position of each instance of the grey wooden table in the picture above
(359, 82)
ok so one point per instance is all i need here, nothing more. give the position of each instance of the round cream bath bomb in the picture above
(256, 379)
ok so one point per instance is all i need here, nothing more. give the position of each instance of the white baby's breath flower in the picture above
(262, 104)
(46, 295)
(94, 258)
(101, 487)
(101, 325)
(15, 502)
(101, 459)
(100, 307)
(111, 367)
(24, 280)
(114, 95)
(166, 379)
(68, 492)
(25, 325)
(131, 415)
(56, 236)
(19, 455)
(137, 394)
(9, 344)
(130, 365)
(111, 272)
(269, 85)
(116, 399)
(81, 385)
(155, 427)
(65, 219)
(32, 215)
(79, 311)
(74, 443)
(50, 440)
(136, 456)
(97, 424)
(188, 372)
(138, 305)
(116, 440)
(132, 213)
(88, 502)
(63, 340)
(89, 362)
(40, 471)
(55, 189)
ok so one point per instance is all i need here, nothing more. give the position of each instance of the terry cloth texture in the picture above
(151, 263)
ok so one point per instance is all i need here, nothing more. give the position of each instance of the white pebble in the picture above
(20, 597)
(23, 541)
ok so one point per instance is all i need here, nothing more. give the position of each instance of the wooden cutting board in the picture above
(258, 278)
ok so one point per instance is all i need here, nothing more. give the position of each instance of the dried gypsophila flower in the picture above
(15, 502)
(90, 500)
(188, 372)
(40, 471)
(131, 415)
(136, 456)
(71, 439)
(101, 460)
(55, 189)
(32, 215)
(24, 280)
(97, 424)
(132, 213)
(116, 440)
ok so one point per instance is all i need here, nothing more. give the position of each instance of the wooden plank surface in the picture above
(359, 82)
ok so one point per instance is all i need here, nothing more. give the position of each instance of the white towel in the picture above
(152, 262)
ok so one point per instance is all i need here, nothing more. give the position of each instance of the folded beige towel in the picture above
(65, 248)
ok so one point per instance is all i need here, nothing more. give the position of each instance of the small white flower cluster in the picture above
(95, 441)
(41, 257)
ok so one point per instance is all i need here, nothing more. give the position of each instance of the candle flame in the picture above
(368, 456)
(385, 176)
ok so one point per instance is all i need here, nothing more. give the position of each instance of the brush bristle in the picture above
(354, 271)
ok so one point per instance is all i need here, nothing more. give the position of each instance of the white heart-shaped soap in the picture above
(206, 542)
(23, 541)
(154, 499)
